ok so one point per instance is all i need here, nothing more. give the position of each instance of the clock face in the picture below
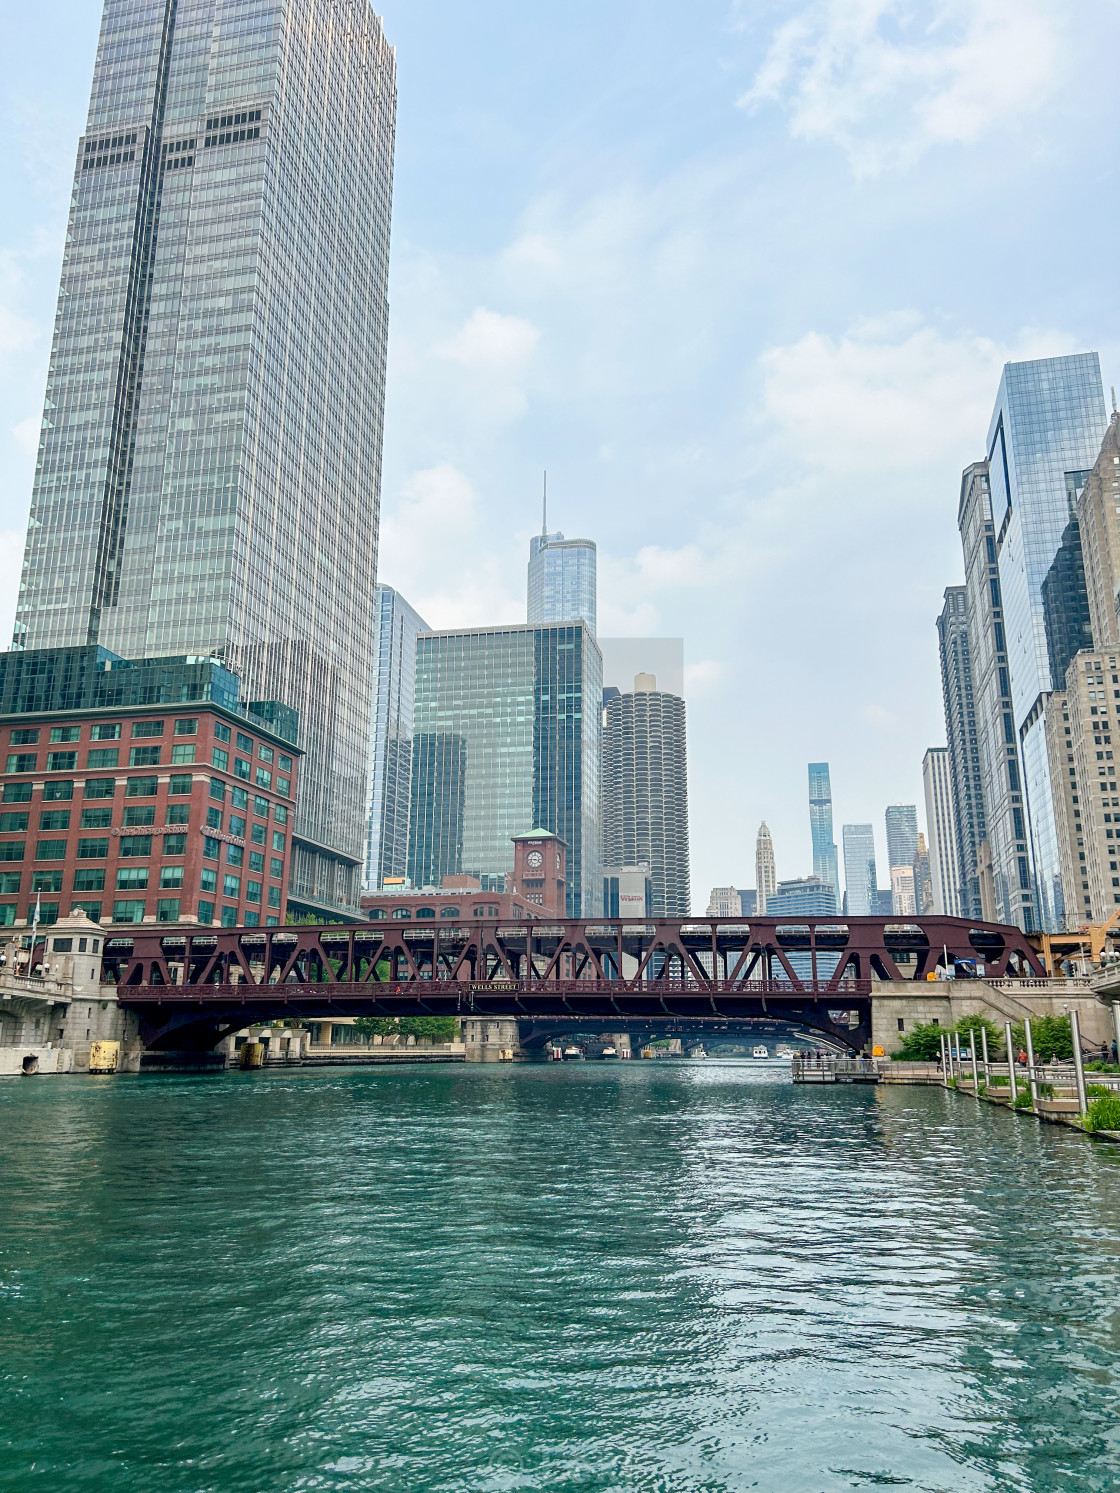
(534, 859)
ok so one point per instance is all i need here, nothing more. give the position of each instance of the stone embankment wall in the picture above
(946, 1001)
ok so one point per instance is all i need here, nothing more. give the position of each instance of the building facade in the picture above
(627, 892)
(765, 875)
(961, 733)
(506, 738)
(535, 888)
(904, 902)
(724, 902)
(210, 463)
(860, 877)
(825, 864)
(945, 878)
(397, 626)
(141, 792)
(1084, 735)
(645, 791)
(1044, 437)
(562, 580)
(902, 835)
(1003, 857)
(1099, 524)
(806, 896)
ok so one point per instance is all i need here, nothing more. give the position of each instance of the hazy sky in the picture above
(742, 276)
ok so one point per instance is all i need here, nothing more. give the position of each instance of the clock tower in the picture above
(540, 870)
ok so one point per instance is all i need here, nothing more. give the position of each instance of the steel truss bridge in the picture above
(191, 986)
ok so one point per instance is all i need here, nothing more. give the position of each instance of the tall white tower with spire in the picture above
(765, 876)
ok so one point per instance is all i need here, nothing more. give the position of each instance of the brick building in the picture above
(141, 791)
(537, 888)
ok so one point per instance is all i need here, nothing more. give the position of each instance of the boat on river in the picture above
(761, 1051)
(572, 1053)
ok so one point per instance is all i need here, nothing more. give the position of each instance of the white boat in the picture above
(698, 1052)
(609, 1052)
(571, 1053)
(760, 1052)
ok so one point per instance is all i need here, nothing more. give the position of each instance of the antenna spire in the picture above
(544, 497)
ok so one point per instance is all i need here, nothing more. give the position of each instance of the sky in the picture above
(742, 278)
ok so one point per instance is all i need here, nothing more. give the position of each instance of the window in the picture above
(181, 754)
(235, 856)
(236, 825)
(100, 788)
(9, 882)
(221, 733)
(231, 886)
(214, 818)
(208, 881)
(220, 759)
(210, 848)
(7, 915)
(241, 768)
(449, 912)
(61, 791)
(89, 881)
(14, 822)
(264, 778)
(244, 743)
(50, 850)
(376, 913)
(167, 909)
(260, 834)
(144, 756)
(17, 793)
(187, 727)
(12, 850)
(178, 813)
(275, 922)
(284, 787)
(179, 783)
(134, 846)
(239, 798)
(276, 867)
(401, 913)
(102, 757)
(48, 913)
(280, 814)
(93, 850)
(171, 876)
(277, 841)
(128, 912)
(62, 761)
(252, 919)
(252, 891)
(263, 752)
(54, 819)
(22, 762)
(146, 728)
(260, 807)
(46, 881)
(106, 733)
(229, 917)
(174, 844)
(66, 733)
(274, 896)
(140, 814)
(425, 912)
(206, 912)
(132, 877)
(91, 910)
(256, 861)
(141, 787)
(28, 736)
(284, 763)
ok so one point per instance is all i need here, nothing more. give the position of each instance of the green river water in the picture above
(654, 1276)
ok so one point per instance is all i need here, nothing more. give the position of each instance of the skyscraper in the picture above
(765, 876)
(562, 578)
(506, 739)
(209, 469)
(645, 790)
(825, 866)
(965, 784)
(1100, 538)
(943, 837)
(902, 847)
(1043, 439)
(397, 627)
(923, 882)
(859, 870)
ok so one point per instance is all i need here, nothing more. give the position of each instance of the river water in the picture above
(647, 1276)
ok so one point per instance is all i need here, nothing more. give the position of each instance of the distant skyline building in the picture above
(923, 882)
(623, 658)
(1100, 538)
(1044, 437)
(645, 790)
(507, 739)
(397, 626)
(825, 863)
(860, 877)
(765, 876)
(724, 902)
(806, 896)
(563, 584)
(943, 837)
(902, 847)
(209, 468)
(965, 781)
(627, 892)
(903, 901)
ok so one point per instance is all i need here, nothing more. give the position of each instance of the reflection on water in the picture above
(661, 1276)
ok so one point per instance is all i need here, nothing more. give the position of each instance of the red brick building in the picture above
(160, 813)
(536, 889)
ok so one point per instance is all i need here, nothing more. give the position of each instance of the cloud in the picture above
(11, 568)
(496, 351)
(27, 434)
(888, 80)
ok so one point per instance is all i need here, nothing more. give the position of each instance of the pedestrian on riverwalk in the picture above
(1021, 1059)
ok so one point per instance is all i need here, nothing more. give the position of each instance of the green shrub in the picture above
(1023, 1096)
(973, 1025)
(922, 1044)
(1104, 1113)
(1098, 1091)
(1051, 1036)
(1102, 1067)
(999, 1081)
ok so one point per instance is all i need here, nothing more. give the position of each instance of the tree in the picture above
(437, 1028)
(975, 1023)
(1051, 1036)
(922, 1044)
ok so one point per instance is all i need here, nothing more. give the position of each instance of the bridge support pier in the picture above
(491, 1039)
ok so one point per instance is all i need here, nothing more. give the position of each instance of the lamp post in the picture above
(1078, 1065)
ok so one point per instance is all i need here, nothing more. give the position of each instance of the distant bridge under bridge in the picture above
(191, 986)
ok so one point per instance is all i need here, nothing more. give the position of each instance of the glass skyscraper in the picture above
(902, 846)
(860, 877)
(825, 866)
(209, 470)
(562, 580)
(1045, 433)
(956, 648)
(397, 627)
(507, 729)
